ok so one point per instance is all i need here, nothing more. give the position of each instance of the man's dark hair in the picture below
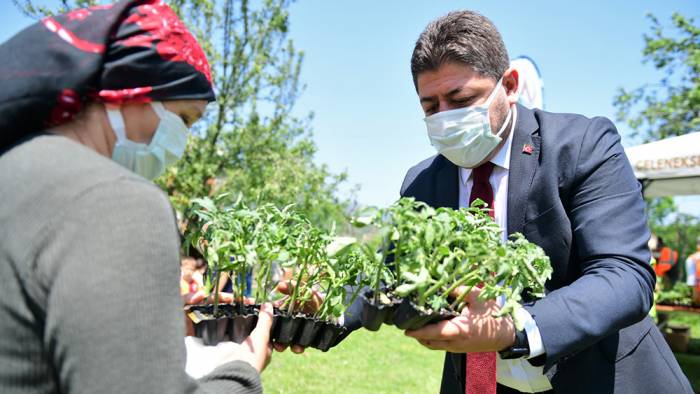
(463, 37)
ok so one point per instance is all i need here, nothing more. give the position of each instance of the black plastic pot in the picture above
(309, 330)
(410, 317)
(241, 325)
(231, 323)
(373, 315)
(391, 310)
(286, 328)
(328, 336)
(212, 331)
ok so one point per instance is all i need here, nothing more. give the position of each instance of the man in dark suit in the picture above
(562, 180)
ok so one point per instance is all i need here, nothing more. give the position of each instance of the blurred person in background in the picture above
(666, 258)
(692, 270)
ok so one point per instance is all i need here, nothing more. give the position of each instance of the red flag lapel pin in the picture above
(528, 149)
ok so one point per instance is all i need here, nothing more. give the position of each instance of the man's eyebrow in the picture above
(451, 93)
(456, 91)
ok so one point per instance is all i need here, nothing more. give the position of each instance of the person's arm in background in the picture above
(223, 281)
(690, 271)
(114, 319)
(616, 285)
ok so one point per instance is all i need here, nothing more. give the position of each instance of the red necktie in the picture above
(481, 367)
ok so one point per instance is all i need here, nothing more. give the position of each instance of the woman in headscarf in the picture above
(92, 102)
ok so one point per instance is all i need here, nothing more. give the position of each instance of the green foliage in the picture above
(681, 235)
(239, 240)
(680, 294)
(671, 106)
(264, 241)
(38, 11)
(667, 108)
(432, 252)
(659, 210)
(249, 142)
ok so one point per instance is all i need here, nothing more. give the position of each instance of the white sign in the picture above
(530, 85)
(669, 167)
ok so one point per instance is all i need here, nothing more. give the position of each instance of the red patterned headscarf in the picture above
(131, 51)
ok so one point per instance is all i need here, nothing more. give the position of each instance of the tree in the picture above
(249, 142)
(671, 106)
(668, 108)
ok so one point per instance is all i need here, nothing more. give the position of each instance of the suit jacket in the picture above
(575, 195)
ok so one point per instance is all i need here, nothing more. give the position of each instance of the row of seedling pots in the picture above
(413, 265)
(236, 323)
(271, 246)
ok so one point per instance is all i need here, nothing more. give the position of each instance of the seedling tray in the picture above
(401, 312)
(410, 316)
(374, 315)
(235, 323)
(306, 331)
(232, 323)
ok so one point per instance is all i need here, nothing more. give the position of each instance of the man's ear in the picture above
(511, 81)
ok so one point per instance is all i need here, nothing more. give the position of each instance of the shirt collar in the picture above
(501, 159)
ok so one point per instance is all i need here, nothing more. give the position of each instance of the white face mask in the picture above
(166, 147)
(464, 135)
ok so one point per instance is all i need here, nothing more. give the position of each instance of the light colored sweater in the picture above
(89, 273)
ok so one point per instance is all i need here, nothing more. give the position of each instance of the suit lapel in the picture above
(524, 160)
(446, 185)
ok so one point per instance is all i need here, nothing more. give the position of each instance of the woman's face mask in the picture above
(166, 147)
(464, 135)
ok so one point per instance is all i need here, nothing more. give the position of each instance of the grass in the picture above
(688, 319)
(382, 361)
(690, 362)
(365, 362)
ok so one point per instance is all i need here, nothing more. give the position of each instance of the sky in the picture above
(367, 119)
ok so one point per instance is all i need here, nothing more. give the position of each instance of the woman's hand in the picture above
(255, 350)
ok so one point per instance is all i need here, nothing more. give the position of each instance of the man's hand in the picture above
(309, 307)
(475, 330)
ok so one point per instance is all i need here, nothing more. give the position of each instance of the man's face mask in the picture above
(166, 147)
(464, 135)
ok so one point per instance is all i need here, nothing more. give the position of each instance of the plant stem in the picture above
(216, 291)
(379, 264)
(397, 263)
(292, 300)
(455, 285)
(460, 298)
(432, 290)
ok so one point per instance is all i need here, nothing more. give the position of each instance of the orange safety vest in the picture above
(667, 259)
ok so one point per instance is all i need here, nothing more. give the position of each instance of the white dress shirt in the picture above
(517, 373)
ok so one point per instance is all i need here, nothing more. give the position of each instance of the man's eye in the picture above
(463, 102)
